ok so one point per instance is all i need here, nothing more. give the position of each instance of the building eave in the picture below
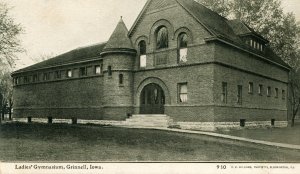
(245, 50)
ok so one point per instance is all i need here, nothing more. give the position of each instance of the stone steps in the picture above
(162, 121)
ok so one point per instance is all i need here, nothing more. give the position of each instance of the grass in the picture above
(289, 135)
(59, 142)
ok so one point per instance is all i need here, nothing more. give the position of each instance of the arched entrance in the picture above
(152, 99)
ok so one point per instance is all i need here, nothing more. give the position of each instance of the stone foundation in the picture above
(212, 126)
(203, 126)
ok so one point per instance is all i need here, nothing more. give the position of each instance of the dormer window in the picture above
(162, 38)
(256, 45)
(143, 57)
(182, 46)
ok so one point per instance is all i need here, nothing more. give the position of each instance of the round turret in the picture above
(118, 61)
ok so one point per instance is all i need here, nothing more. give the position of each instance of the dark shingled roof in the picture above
(215, 23)
(224, 29)
(79, 54)
(239, 27)
(242, 29)
(119, 39)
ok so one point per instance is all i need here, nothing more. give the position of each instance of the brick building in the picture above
(179, 59)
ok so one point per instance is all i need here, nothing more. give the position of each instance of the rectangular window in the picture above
(25, 79)
(17, 80)
(143, 61)
(269, 91)
(183, 92)
(250, 90)
(121, 79)
(98, 69)
(224, 92)
(276, 92)
(35, 78)
(69, 73)
(283, 94)
(82, 71)
(109, 71)
(240, 94)
(57, 75)
(45, 76)
(183, 54)
(260, 89)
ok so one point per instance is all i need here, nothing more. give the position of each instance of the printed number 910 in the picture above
(221, 167)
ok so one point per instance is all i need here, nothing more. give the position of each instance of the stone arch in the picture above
(148, 81)
(139, 39)
(184, 30)
(156, 25)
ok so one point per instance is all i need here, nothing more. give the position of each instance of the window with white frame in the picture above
(260, 89)
(182, 44)
(143, 57)
(69, 73)
(183, 92)
(250, 88)
(98, 69)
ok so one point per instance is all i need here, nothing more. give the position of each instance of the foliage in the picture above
(222, 7)
(9, 33)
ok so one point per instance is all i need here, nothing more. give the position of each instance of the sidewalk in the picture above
(217, 135)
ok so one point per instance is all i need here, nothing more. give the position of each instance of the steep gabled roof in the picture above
(242, 29)
(77, 55)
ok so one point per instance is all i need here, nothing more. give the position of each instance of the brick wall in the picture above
(63, 98)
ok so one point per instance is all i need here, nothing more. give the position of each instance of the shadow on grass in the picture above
(62, 142)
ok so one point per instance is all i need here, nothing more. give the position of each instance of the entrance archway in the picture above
(152, 99)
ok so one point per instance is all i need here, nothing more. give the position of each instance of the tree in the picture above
(9, 37)
(222, 7)
(6, 87)
(9, 46)
(295, 94)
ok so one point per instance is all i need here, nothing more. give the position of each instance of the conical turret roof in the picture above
(119, 39)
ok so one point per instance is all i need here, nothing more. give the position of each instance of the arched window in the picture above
(182, 47)
(162, 38)
(143, 57)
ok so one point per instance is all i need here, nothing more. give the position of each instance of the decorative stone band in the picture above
(69, 121)
(203, 126)
(212, 126)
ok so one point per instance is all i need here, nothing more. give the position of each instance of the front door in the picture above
(152, 100)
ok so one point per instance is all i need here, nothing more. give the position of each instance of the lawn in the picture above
(59, 142)
(289, 135)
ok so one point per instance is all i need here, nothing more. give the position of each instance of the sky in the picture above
(53, 27)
